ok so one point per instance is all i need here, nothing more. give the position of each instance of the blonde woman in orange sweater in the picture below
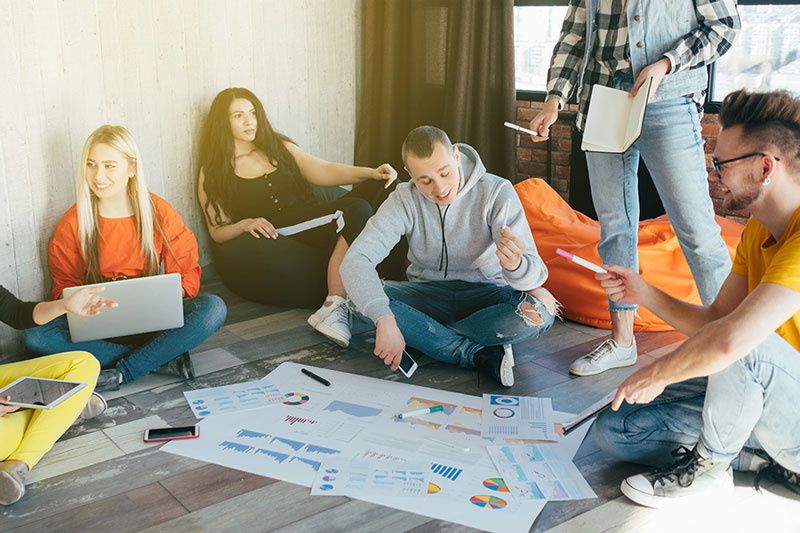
(117, 229)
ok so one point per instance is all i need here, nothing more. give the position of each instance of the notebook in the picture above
(146, 304)
(614, 120)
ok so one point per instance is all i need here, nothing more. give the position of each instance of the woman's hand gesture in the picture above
(85, 302)
(387, 173)
(257, 227)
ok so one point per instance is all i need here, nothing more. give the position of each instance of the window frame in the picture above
(711, 106)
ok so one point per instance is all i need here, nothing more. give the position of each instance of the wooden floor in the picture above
(101, 477)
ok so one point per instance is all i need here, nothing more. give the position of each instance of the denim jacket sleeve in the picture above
(718, 24)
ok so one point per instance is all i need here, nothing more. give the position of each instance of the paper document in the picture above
(519, 417)
(357, 478)
(232, 398)
(539, 472)
(313, 223)
(614, 120)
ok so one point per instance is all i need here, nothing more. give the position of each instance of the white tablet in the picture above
(39, 393)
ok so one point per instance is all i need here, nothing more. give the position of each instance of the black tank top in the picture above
(270, 196)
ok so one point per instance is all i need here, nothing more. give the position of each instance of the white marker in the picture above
(505, 213)
(418, 412)
(582, 262)
(520, 128)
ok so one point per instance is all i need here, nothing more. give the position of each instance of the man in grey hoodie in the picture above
(475, 279)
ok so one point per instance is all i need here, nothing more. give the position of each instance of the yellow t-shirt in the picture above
(760, 259)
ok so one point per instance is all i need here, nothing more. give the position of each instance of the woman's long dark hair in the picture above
(216, 151)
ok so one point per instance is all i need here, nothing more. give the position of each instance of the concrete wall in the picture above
(154, 66)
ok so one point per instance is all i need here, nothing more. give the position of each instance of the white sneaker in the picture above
(607, 355)
(333, 321)
(509, 355)
(693, 477)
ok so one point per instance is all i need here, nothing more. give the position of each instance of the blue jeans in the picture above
(671, 145)
(451, 320)
(136, 356)
(751, 402)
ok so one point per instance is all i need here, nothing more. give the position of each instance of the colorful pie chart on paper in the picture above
(328, 478)
(295, 398)
(331, 471)
(488, 502)
(496, 484)
(325, 487)
(433, 488)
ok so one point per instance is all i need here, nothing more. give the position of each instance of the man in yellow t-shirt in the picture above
(727, 397)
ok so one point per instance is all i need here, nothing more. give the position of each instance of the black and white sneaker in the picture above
(772, 471)
(496, 361)
(694, 476)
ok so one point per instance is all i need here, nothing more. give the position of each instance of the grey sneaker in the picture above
(94, 407)
(181, 366)
(12, 481)
(605, 356)
(692, 477)
(108, 380)
(333, 321)
(495, 361)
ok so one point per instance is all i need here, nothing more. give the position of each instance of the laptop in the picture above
(146, 304)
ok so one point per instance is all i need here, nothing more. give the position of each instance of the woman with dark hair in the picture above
(253, 183)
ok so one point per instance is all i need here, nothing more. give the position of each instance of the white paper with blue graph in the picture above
(518, 417)
(354, 419)
(233, 398)
(360, 479)
(540, 472)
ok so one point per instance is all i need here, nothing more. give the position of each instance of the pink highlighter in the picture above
(582, 262)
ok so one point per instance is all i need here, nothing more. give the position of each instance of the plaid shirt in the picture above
(710, 40)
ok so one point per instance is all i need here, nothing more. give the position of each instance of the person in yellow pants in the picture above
(27, 434)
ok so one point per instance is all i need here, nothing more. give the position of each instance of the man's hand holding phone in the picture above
(390, 346)
(389, 341)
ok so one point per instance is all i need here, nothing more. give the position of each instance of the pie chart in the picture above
(496, 484)
(488, 502)
(295, 398)
(433, 488)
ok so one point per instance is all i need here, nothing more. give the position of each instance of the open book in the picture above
(614, 120)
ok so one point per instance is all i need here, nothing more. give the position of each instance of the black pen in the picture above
(312, 375)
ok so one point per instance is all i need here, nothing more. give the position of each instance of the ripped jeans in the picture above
(451, 320)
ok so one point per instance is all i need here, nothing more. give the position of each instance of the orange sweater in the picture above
(120, 251)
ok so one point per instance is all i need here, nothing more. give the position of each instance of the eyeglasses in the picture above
(718, 164)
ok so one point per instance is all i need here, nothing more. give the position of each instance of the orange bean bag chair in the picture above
(555, 224)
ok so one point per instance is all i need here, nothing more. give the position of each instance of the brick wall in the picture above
(532, 157)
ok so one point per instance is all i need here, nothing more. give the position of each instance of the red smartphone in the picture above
(178, 433)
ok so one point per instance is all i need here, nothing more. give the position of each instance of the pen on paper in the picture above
(315, 377)
(520, 128)
(418, 412)
(582, 262)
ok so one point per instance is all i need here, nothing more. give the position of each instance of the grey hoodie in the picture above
(455, 242)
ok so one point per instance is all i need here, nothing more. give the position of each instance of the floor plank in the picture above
(101, 476)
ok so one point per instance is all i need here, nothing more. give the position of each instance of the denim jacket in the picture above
(691, 33)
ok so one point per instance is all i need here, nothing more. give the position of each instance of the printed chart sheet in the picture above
(354, 418)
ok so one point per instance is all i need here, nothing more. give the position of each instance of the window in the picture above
(765, 55)
(536, 30)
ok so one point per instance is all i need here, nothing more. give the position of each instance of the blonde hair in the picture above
(146, 220)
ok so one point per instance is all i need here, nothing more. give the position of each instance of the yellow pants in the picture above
(27, 434)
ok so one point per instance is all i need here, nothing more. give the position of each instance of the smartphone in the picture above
(179, 433)
(407, 365)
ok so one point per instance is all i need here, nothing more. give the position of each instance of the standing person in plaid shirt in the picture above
(620, 44)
